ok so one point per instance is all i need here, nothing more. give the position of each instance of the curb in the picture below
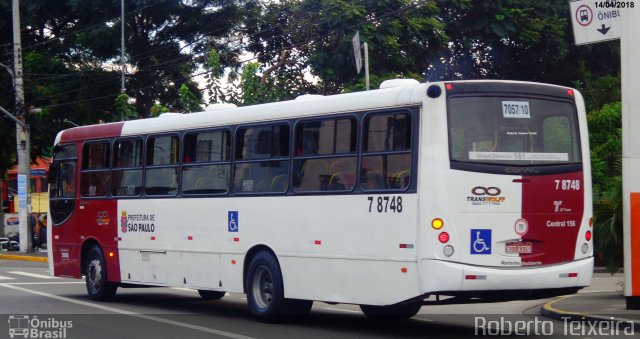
(549, 311)
(23, 257)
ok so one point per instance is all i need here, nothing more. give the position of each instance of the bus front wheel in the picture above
(392, 312)
(265, 291)
(98, 287)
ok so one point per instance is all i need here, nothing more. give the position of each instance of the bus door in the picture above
(63, 175)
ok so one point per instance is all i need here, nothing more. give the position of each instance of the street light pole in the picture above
(22, 135)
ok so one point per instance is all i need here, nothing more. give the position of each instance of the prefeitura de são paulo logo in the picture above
(123, 222)
(25, 326)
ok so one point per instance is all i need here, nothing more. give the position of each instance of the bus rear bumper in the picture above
(439, 277)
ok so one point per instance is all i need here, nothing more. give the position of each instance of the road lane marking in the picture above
(32, 275)
(6, 278)
(48, 283)
(129, 313)
(339, 310)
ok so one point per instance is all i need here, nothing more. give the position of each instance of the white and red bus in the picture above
(478, 189)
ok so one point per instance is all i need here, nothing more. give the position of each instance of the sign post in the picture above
(355, 41)
(630, 54)
(595, 21)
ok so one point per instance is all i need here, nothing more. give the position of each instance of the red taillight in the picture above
(448, 87)
(587, 235)
(443, 237)
(570, 92)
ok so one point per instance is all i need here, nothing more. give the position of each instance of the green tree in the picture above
(605, 137)
(189, 102)
(126, 110)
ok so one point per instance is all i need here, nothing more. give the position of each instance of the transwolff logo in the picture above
(25, 326)
(486, 196)
(123, 222)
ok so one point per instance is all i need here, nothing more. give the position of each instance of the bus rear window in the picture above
(513, 131)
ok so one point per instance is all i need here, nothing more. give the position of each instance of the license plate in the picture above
(519, 247)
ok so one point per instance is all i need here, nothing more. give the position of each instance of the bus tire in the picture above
(265, 291)
(211, 295)
(400, 311)
(98, 287)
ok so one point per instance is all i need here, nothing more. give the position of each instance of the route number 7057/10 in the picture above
(385, 204)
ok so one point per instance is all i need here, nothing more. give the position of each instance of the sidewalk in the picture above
(593, 306)
(32, 256)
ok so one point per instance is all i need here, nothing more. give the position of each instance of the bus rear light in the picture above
(587, 235)
(570, 92)
(568, 275)
(318, 242)
(448, 87)
(236, 239)
(404, 270)
(111, 254)
(406, 245)
(475, 277)
(443, 237)
(233, 262)
(153, 238)
(190, 237)
(585, 248)
(437, 223)
(448, 251)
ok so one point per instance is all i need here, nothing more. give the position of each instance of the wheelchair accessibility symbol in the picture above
(232, 222)
(480, 241)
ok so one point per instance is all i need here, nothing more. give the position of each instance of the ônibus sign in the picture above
(595, 21)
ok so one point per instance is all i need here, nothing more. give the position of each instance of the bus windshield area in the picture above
(513, 131)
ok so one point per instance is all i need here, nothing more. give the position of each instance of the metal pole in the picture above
(22, 136)
(629, 54)
(122, 45)
(366, 65)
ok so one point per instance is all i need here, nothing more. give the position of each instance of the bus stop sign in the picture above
(594, 21)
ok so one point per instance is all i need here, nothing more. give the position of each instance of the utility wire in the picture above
(330, 33)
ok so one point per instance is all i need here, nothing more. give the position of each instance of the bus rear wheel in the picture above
(392, 312)
(98, 287)
(211, 295)
(265, 291)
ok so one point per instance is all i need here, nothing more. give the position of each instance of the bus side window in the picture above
(325, 158)
(94, 180)
(126, 178)
(162, 165)
(206, 162)
(386, 156)
(262, 159)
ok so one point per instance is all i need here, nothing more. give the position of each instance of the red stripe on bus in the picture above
(635, 243)
(92, 132)
(553, 206)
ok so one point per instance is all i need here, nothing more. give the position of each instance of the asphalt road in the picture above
(59, 308)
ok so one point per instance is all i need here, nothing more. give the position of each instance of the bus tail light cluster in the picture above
(437, 224)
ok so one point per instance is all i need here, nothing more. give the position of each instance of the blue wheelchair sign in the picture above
(480, 241)
(232, 221)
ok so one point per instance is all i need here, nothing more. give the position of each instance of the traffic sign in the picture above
(593, 21)
(356, 51)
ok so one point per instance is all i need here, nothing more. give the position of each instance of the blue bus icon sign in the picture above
(480, 241)
(232, 221)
